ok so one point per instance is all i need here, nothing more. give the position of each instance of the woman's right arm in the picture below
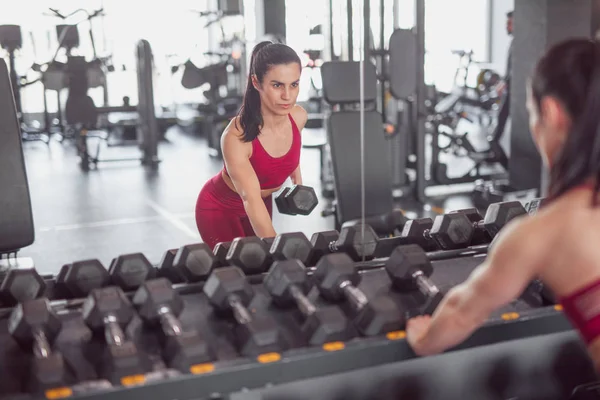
(243, 176)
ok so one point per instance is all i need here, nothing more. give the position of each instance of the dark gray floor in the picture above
(124, 208)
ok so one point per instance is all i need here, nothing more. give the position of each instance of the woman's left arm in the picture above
(300, 117)
(512, 263)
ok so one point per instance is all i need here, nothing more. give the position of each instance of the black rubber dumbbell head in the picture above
(45, 372)
(195, 262)
(259, 336)
(186, 350)
(281, 276)
(251, 254)
(452, 231)
(352, 242)
(153, 295)
(33, 313)
(326, 324)
(269, 242)
(415, 230)
(20, 285)
(397, 220)
(301, 200)
(404, 262)
(480, 235)
(292, 245)
(500, 214)
(282, 202)
(165, 267)
(105, 301)
(380, 315)
(320, 242)
(220, 251)
(129, 271)
(331, 271)
(534, 205)
(82, 277)
(224, 282)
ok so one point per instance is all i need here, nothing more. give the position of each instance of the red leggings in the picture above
(220, 214)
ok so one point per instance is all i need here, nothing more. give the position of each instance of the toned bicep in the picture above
(239, 169)
(511, 265)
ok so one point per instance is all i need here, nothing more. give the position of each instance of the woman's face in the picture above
(279, 88)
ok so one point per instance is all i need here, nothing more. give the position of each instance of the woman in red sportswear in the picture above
(560, 244)
(261, 149)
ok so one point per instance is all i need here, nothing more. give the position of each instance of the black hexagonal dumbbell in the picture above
(291, 245)
(337, 279)
(190, 263)
(158, 304)
(480, 235)
(228, 291)
(250, 254)
(129, 271)
(534, 205)
(20, 285)
(350, 241)
(220, 251)
(106, 312)
(35, 326)
(418, 231)
(497, 216)
(80, 278)
(409, 269)
(297, 200)
(288, 285)
(320, 242)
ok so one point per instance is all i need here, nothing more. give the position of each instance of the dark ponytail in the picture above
(264, 56)
(570, 72)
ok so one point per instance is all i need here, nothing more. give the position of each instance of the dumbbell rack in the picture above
(232, 374)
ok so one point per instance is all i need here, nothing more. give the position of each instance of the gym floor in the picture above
(124, 208)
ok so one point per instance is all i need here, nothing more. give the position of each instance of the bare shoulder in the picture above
(300, 116)
(231, 140)
(524, 240)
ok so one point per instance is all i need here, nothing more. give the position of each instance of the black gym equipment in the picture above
(129, 271)
(158, 304)
(341, 91)
(292, 245)
(250, 254)
(16, 220)
(11, 40)
(337, 279)
(189, 263)
(288, 285)
(224, 75)
(107, 311)
(297, 200)
(20, 285)
(78, 279)
(532, 207)
(409, 269)
(82, 114)
(228, 291)
(35, 326)
(220, 251)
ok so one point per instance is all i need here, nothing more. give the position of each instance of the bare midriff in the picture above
(263, 193)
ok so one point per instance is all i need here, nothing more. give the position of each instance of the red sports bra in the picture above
(582, 308)
(273, 171)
